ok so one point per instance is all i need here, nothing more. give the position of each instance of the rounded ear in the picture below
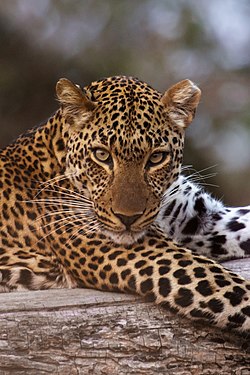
(73, 99)
(181, 101)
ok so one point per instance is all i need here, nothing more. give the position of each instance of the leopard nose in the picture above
(127, 220)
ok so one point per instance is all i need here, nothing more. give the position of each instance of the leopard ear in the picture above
(74, 101)
(181, 101)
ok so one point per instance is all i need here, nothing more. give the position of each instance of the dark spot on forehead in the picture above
(124, 94)
(129, 116)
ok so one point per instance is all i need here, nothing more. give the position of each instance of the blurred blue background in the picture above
(158, 41)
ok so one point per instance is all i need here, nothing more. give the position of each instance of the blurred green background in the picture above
(158, 41)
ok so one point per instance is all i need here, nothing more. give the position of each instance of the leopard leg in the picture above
(167, 274)
(33, 277)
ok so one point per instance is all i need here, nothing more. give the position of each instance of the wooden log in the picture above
(83, 331)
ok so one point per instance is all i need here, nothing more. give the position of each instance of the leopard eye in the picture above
(101, 154)
(156, 157)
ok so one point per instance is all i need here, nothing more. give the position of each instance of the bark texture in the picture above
(89, 332)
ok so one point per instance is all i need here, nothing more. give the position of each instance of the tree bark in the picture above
(84, 331)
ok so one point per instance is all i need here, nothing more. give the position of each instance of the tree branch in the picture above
(83, 331)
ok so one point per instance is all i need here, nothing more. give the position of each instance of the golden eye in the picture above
(102, 155)
(157, 158)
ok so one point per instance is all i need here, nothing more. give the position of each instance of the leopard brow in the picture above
(161, 148)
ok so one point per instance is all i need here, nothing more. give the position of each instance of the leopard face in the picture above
(124, 148)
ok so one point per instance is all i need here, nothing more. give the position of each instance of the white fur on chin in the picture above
(125, 237)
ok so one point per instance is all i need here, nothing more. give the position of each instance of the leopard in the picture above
(95, 198)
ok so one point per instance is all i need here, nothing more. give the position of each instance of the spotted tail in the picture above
(193, 218)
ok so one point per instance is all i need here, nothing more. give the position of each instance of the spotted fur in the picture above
(195, 219)
(93, 198)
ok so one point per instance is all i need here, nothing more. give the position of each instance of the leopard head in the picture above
(124, 147)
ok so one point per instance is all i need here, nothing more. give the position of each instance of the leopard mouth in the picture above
(122, 233)
(125, 237)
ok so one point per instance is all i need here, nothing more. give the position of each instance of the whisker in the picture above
(166, 199)
(211, 185)
(54, 223)
(62, 222)
(51, 181)
(53, 213)
(56, 201)
(197, 176)
(65, 204)
(72, 191)
(76, 208)
(74, 195)
(202, 170)
(57, 178)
